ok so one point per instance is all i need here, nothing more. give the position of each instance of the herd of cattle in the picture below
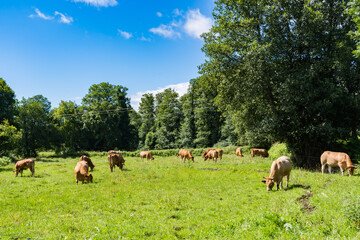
(280, 168)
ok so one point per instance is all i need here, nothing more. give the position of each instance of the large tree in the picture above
(288, 68)
(106, 117)
(147, 113)
(37, 131)
(168, 117)
(7, 101)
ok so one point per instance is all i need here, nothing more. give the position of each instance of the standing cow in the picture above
(239, 152)
(259, 152)
(146, 154)
(82, 172)
(212, 154)
(116, 160)
(280, 168)
(220, 153)
(88, 160)
(24, 164)
(185, 154)
(336, 159)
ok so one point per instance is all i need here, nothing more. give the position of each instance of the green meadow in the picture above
(168, 199)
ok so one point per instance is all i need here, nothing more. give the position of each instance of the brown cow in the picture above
(185, 154)
(336, 159)
(239, 152)
(88, 160)
(82, 172)
(146, 154)
(280, 168)
(220, 153)
(116, 160)
(259, 152)
(206, 152)
(113, 152)
(24, 164)
(212, 154)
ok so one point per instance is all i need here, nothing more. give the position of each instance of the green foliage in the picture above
(67, 118)
(106, 117)
(35, 125)
(9, 138)
(168, 117)
(150, 140)
(5, 161)
(287, 67)
(279, 149)
(147, 113)
(188, 129)
(354, 11)
(7, 101)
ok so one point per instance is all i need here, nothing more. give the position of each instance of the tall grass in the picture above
(168, 199)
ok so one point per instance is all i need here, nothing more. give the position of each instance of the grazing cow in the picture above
(185, 154)
(24, 164)
(212, 154)
(259, 152)
(336, 159)
(280, 168)
(116, 160)
(82, 172)
(220, 153)
(239, 152)
(88, 160)
(146, 154)
(206, 152)
(113, 151)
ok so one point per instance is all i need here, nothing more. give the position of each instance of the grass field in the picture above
(167, 199)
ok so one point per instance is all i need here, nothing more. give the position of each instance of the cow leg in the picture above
(277, 185)
(21, 172)
(32, 172)
(323, 168)
(287, 180)
(329, 168)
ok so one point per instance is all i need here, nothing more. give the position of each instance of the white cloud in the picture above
(145, 39)
(63, 18)
(99, 3)
(41, 15)
(177, 12)
(196, 23)
(166, 31)
(125, 35)
(180, 88)
(159, 14)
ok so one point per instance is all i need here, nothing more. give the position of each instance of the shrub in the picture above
(5, 161)
(279, 149)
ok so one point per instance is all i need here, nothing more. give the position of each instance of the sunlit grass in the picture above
(168, 199)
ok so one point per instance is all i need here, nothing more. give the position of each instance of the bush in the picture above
(5, 161)
(279, 149)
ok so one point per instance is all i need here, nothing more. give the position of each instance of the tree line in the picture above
(274, 71)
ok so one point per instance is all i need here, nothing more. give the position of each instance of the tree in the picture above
(147, 113)
(106, 117)
(67, 118)
(7, 102)
(288, 68)
(9, 138)
(354, 12)
(187, 128)
(34, 123)
(207, 117)
(168, 117)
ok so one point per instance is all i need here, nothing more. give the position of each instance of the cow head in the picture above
(351, 170)
(89, 178)
(269, 181)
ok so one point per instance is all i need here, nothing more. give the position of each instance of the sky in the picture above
(59, 48)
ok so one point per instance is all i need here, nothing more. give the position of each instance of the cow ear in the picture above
(264, 181)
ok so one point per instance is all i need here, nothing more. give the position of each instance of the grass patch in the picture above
(167, 199)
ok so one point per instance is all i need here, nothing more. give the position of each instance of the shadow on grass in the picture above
(6, 169)
(45, 160)
(303, 186)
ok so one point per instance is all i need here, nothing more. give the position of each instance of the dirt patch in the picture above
(304, 201)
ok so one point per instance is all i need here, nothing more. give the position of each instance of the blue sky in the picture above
(59, 48)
